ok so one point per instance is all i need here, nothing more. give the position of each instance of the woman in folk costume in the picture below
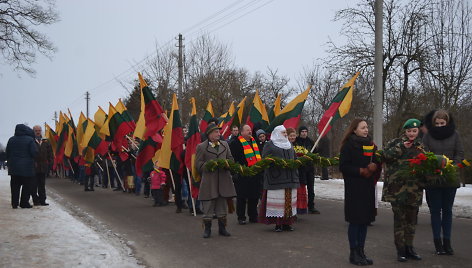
(357, 164)
(279, 201)
(302, 195)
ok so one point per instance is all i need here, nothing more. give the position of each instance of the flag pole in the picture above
(172, 178)
(224, 131)
(108, 173)
(190, 192)
(116, 171)
(70, 165)
(321, 134)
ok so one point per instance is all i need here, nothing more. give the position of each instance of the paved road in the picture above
(162, 238)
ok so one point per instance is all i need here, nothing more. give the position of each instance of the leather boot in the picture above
(362, 254)
(355, 258)
(207, 226)
(401, 255)
(222, 227)
(439, 247)
(411, 254)
(447, 246)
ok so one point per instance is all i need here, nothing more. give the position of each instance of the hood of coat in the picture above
(23, 130)
(439, 133)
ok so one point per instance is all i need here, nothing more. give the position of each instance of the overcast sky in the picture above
(100, 40)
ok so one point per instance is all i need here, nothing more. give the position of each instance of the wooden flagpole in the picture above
(321, 135)
(116, 171)
(190, 192)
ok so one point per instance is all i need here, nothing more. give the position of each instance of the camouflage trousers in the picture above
(405, 219)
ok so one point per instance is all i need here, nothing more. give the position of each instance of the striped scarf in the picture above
(252, 154)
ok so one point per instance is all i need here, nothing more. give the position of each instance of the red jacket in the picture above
(158, 178)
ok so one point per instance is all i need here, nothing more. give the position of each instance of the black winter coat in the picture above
(359, 192)
(276, 178)
(21, 151)
(246, 187)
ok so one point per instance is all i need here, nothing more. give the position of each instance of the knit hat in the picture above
(412, 123)
(210, 128)
(300, 129)
(259, 132)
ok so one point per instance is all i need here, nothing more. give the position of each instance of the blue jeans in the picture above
(440, 201)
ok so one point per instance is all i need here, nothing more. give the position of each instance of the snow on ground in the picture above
(51, 237)
(334, 190)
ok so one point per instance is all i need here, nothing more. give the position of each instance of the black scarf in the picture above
(358, 141)
(439, 133)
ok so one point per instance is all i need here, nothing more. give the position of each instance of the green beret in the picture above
(412, 123)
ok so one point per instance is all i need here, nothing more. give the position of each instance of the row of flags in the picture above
(161, 136)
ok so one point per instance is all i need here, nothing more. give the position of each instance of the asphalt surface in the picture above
(162, 238)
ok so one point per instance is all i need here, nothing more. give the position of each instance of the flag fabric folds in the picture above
(193, 138)
(275, 109)
(207, 115)
(170, 155)
(339, 107)
(257, 113)
(290, 115)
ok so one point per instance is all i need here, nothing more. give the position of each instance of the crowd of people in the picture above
(277, 195)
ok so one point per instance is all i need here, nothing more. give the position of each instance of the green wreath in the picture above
(266, 162)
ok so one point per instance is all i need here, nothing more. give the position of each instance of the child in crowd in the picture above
(158, 180)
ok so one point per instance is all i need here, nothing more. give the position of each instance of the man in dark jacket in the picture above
(42, 161)
(307, 173)
(246, 152)
(21, 151)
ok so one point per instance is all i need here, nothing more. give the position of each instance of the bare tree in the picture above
(20, 39)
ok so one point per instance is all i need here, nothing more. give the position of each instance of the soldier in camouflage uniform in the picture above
(404, 193)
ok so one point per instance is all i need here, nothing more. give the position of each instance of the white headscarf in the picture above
(278, 139)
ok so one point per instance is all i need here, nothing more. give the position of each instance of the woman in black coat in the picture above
(358, 168)
(442, 139)
(21, 151)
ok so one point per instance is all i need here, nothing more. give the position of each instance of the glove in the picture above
(372, 167)
(366, 173)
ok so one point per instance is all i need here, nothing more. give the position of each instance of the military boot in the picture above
(207, 226)
(439, 247)
(447, 246)
(222, 227)
(356, 259)
(411, 254)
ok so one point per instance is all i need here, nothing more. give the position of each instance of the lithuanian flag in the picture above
(63, 131)
(100, 117)
(339, 107)
(71, 149)
(147, 150)
(52, 137)
(92, 139)
(257, 113)
(235, 119)
(121, 108)
(116, 128)
(207, 115)
(275, 109)
(82, 125)
(290, 115)
(224, 118)
(193, 139)
(151, 119)
(170, 155)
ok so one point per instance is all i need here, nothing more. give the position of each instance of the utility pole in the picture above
(378, 74)
(55, 117)
(87, 100)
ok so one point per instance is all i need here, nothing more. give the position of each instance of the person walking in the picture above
(442, 139)
(216, 187)
(21, 151)
(359, 168)
(279, 199)
(405, 193)
(43, 159)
